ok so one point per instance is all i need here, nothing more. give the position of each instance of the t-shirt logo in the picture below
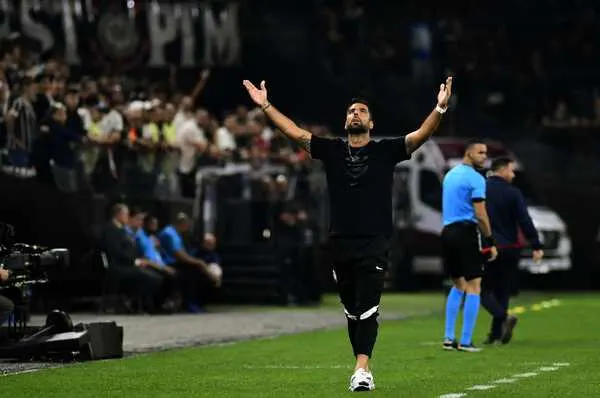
(356, 165)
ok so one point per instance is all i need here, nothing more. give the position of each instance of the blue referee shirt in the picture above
(462, 185)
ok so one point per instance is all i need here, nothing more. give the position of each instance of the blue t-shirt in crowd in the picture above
(170, 243)
(147, 248)
(461, 187)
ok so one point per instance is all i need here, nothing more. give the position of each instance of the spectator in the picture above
(225, 136)
(168, 184)
(126, 271)
(64, 146)
(207, 252)
(22, 125)
(194, 275)
(192, 142)
(147, 250)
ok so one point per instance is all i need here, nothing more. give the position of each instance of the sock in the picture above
(469, 318)
(352, 334)
(452, 307)
(366, 335)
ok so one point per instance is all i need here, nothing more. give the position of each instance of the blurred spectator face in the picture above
(156, 114)
(60, 115)
(137, 221)
(169, 112)
(51, 67)
(187, 104)
(103, 83)
(203, 118)
(91, 88)
(241, 113)
(58, 87)
(95, 114)
(152, 225)
(183, 226)
(231, 123)
(117, 95)
(122, 217)
(254, 127)
(209, 242)
(46, 84)
(72, 100)
(31, 89)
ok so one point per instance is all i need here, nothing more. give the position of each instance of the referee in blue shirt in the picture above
(463, 209)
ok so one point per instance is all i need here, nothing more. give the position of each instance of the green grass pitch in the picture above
(555, 353)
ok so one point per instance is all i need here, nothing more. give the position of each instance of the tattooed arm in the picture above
(289, 128)
(282, 122)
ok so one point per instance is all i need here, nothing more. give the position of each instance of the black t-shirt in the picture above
(359, 182)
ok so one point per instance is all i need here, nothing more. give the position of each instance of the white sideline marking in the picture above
(481, 387)
(513, 379)
(549, 368)
(525, 375)
(504, 381)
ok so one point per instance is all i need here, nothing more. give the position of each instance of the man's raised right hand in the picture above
(259, 96)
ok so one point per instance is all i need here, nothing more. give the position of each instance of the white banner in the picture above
(131, 34)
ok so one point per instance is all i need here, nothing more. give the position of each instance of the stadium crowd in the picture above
(116, 137)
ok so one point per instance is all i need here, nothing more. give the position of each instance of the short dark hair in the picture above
(472, 142)
(135, 210)
(360, 100)
(148, 219)
(501, 162)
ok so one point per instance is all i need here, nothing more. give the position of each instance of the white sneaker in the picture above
(362, 380)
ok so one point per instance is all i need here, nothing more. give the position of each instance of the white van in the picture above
(417, 202)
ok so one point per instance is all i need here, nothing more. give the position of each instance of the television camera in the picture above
(28, 264)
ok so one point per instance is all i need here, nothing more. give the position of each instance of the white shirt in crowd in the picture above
(111, 122)
(178, 121)
(225, 139)
(190, 136)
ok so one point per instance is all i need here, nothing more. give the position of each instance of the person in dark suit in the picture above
(126, 271)
(507, 211)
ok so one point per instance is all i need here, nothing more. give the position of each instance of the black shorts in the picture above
(461, 251)
(359, 265)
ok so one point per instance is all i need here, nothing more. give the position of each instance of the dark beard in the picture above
(356, 129)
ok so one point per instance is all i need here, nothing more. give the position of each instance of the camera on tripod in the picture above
(29, 264)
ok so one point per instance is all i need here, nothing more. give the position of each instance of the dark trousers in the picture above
(195, 286)
(6, 307)
(359, 265)
(496, 287)
(167, 288)
(136, 282)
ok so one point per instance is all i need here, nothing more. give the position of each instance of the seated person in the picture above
(206, 251)
(126, 271)
(195, 277)
(6, 305)
(167, 299)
